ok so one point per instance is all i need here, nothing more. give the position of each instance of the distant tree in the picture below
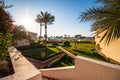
(67, 44)
(76, 37)
(65, 36)
(19, 32)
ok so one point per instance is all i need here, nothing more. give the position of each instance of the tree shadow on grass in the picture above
(83, 52)
(90, 54)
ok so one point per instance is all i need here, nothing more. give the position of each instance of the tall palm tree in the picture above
(47, 19)
(40, 21)
(106, 18)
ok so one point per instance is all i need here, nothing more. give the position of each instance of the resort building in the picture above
(22, 42)
(86, 39)
(33, 36)
(30, 37)
(110, 51)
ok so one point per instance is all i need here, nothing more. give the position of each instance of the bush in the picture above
(67, 44)
(5, 42)
(63, 61)
(55, 43)
(31, 46)
(5, 33)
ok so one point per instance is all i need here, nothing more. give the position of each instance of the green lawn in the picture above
(63, 61)
(36, 53)
(86, 50)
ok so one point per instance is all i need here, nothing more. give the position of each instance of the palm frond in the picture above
(106, 19)
(92, 14)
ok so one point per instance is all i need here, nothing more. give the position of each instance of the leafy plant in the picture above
(5, 42)
(67, 44)
(5, 33)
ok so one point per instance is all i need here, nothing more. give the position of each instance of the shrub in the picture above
(5, 42)
(63, 61)
(5, 33)
(55, 43)
(31, 46)
(67, 44)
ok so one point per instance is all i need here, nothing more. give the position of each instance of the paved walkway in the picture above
(66, 52)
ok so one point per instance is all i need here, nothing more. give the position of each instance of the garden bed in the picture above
(6, 68)
(36, 53)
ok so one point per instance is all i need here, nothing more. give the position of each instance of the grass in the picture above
(36, 53)
(85, 50)
(65, 60)
(54, 49)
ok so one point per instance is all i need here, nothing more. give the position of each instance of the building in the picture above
(22, 42)
(86, 39)
(111, 51)
(33, 36)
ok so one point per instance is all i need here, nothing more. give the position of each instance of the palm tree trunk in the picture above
(45, 32)
(40, 31)
(45, 36)
(75, 43)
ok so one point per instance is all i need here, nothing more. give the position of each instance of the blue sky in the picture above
(66, 14)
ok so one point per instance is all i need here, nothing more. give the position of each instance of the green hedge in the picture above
(31, 46)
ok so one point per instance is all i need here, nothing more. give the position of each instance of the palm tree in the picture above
(46, 19)
(40, 21)
(19, 33)
(106, 18)
(78, 36)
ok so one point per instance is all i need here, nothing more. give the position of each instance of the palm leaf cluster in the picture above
(44, 19)
(106, 18)
(19, 32)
